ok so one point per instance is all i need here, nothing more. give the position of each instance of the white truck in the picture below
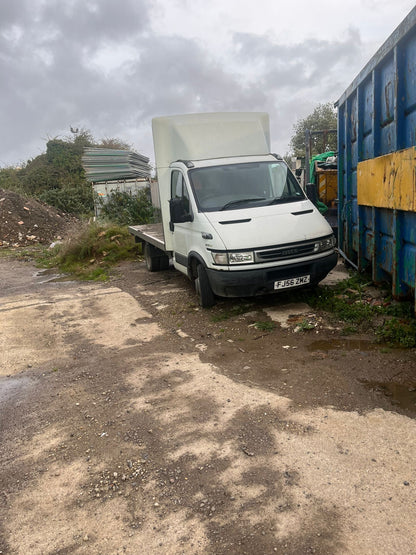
(234, 218)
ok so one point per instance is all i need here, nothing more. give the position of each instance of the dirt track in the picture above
(134, 422)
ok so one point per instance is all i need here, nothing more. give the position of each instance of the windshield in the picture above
(234, 186)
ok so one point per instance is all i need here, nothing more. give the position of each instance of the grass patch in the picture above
(349, 330)
(264, 326)
(397, 332)
(345, 300)
(361, 308)
(350, 302)
(89, 254)
(19, 253)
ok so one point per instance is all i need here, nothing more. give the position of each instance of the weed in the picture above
(403, 309)
(220, 317)
(96, 274)
(349, 330)
(264, 326)
(397, 332)
(305, 325)
(27, 253)
(349, 301)
(6, 253)
(346, 301)
(236, 310)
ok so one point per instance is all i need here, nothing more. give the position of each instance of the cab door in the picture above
(181, 231)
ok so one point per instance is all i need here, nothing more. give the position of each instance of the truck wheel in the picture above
(151, 258)
(203, 288)
(164, 262)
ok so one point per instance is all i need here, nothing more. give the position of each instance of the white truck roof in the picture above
(229, 160)
(210, 135)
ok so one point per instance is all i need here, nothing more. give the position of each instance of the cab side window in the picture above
(178, 188)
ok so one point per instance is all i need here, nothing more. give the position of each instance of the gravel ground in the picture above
(132, 421)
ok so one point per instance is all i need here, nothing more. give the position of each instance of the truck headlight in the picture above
(228, 258)
(325, 244)
(241, 257)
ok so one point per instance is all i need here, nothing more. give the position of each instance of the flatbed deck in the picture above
(150, 233)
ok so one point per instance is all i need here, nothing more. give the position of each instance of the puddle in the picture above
(50, 275)
(11, 387)
(343, 345)
(45, 272)
(61, 278)
(400, 395)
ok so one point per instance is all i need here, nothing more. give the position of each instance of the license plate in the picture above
(292, 282)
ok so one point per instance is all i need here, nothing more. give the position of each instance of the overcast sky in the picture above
(109, 66)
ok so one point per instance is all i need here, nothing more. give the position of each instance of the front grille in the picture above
(286, 252)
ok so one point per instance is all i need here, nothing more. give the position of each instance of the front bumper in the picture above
(248, 283)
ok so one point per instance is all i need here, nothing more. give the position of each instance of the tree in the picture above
(115, 143)
(324, 117)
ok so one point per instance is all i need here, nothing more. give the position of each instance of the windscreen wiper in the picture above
(241, 201)
(281, 200)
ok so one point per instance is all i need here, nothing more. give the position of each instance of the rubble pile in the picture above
(25, 221)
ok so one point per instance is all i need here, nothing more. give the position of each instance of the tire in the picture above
(313, 285)
(164, 262)
(203, 288)
(151, 259)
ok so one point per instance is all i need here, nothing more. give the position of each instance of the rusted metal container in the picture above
(377, 164)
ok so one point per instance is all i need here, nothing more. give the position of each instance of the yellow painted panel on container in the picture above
(388, 181)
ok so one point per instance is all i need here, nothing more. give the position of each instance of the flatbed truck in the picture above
(234, 218)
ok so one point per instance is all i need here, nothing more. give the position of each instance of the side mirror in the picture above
(179, 213)
(312, 193)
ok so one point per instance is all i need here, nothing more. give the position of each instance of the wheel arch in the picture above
(194, 259)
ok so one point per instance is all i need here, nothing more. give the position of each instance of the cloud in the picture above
(45, 48)
(89, 22)
(292, 65)
(57, 75)
(296, 76)
(181, 76)
(111, 66)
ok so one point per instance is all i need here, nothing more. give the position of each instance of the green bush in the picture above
(126, 209)
(9, 179)
(74, 200)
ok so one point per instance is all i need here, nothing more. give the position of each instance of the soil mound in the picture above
(25, 221)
